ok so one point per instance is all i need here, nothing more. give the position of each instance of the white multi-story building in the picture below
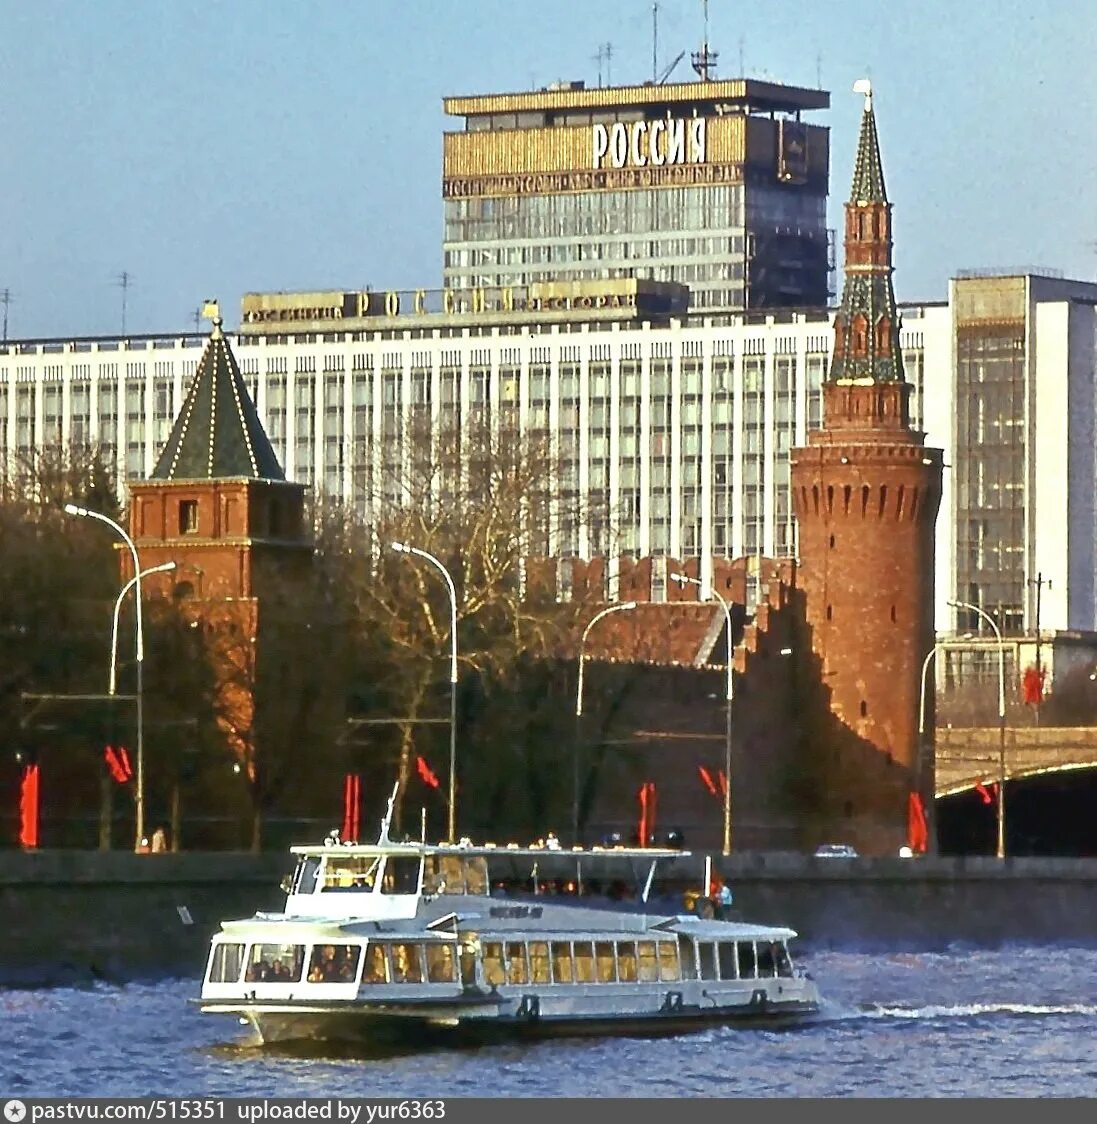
(680, 426)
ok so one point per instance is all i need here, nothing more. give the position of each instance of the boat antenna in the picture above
(386, 822)
(423, 824)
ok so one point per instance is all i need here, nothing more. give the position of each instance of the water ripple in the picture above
(960, 1023)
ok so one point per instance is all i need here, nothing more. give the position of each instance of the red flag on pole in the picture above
(706, 778)
(647, 811)
(1032, 685)
(351, 805)
(917, 829)
(118, 762)
(426, 773)
(982, 791)
(723, 778)
(28, 807)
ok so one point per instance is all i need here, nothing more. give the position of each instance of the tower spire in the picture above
(866, 329)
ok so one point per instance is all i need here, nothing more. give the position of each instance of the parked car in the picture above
(835, 851)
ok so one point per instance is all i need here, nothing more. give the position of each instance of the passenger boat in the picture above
(416, 941)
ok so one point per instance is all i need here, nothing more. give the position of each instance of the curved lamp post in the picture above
(403, 548)
(1001, 851)
(579, 714)
(682, 579)
(163, 568)
(139, 791)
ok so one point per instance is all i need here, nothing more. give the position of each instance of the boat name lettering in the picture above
(516, 911)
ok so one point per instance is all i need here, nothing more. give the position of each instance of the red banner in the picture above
(28, 807)
(352, 803)
(118, 762)
(917, 828)
(646, 796)
(1032, 685)
(426, 774)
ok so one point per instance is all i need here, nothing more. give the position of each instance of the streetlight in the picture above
(579, 715)
(139, 794)
(681, 579)
(403, 548)
(163, 568)
(1001, 719)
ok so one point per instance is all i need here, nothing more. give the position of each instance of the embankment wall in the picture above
(75, 916)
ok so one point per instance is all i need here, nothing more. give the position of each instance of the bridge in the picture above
(969, 756)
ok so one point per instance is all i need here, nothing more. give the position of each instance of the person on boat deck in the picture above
(723, 899)
(159, 840)
(324, 969)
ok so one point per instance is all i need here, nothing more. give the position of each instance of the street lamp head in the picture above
(72, 509)
(628, 604)
(399, 547)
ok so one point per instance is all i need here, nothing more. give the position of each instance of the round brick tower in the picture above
(866, 492)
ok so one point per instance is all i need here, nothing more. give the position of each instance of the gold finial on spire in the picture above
(211, 310)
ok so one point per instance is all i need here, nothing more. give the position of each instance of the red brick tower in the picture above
(218, 505)
(866, 492)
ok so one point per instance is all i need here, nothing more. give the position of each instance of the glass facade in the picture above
(990, 472)
(693, 235)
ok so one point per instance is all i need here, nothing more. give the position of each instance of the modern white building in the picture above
(677, 426)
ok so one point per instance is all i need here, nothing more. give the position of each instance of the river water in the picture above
(1011, 1022)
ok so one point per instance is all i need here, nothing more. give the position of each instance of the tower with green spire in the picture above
(866, 492)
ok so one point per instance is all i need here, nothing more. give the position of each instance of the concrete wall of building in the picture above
(74, 916)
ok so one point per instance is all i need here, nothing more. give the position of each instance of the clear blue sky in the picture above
(213, 148)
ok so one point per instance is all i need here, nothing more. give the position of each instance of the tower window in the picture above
(864, 709)
(830, 612)
(188, 517)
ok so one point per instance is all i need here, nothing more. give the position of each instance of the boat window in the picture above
(669, 968)
(649, 963)
(729, 961)
(626, 961)
(469, 945)
(351, 872)
(440, 964)
(401, 875)
(746, 960)
(688, 953)
(377, 968)
(454, 874)
(304, 878)
(561, 962)
(539, 962)
(584, 962)
(493, 963)
(334, 963)
(406, 964)
(706, 951)
(607, 969)
(517, 972)
(275, 962)
(782, 959)
(766, 965)
(227, 961)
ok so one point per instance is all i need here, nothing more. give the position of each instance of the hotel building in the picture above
(678, 425)
(717, 184)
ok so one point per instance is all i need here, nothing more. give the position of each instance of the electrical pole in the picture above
(654, 42)
(1039, 582)
(124, 281)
